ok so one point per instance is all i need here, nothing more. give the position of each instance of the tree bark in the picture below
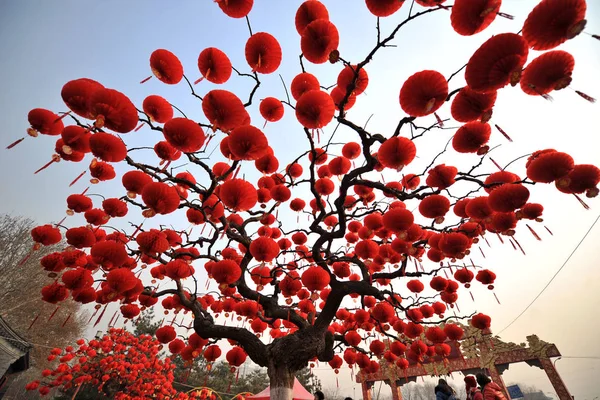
(281, 381)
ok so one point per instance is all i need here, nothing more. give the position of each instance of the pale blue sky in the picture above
(47, 43)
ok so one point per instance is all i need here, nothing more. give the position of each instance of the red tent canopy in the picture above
(299, 393)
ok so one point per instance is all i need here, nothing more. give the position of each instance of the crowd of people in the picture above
(478, 387)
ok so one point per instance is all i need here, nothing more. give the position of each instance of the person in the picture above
(443, 391)
(473, 392)
(489, 389)
(348, 398)
(319, 395)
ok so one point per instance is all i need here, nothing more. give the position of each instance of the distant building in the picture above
(14, 355)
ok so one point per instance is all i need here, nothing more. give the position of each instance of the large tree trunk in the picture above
(281, 382)
(289, 354)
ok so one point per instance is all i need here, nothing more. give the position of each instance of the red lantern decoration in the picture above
(423, 93)
(263, 53)
(553, 22)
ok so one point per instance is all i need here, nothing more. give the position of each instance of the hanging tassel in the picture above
(481, 250)
(535, 235)
(549, 231)
(472, 263)
(488, 243)
(95, 312)
(503, 133)
(518, 244)
(472, 298)
(458, 308)
(496, 164)
(496, 297)
(337, 383)
(140, 126)
(33, 322)
(53, 313)
(117, 319)
(500, 237)
(55, 158)
(585, 96)
(237, 376)
(318, 136)
(505, 15)
(76, 179)
(439, 120)
(446, 275)
(66, 320)
(13, 144)
(581, 202)
(197, 81)
(24, 260)
(101, 315)
(112, 318)
(236, 172)
(146, 80)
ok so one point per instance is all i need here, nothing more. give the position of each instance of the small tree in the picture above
(20, 284)
(285, 252)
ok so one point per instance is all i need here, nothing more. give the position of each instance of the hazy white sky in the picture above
(45, 44)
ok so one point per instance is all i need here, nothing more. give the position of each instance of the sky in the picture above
(45, 44)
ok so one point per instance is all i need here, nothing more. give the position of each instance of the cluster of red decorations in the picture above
(117, 360)
(379, 240)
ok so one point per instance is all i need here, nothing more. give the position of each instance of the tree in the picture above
(145, 324)
(356, 238)
(310, 381)
(20, 284)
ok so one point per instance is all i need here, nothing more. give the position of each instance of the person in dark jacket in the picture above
(443, 391)
(489, 389)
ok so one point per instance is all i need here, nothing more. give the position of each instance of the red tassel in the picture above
(439, 120)
(24, 260)
(62, 116)
(76, 179)
(140, 126)
(488, 243)
(549, 231)
(518, 244)
(336, 381)
(197, 81)
(66, 320)
(95, 312)
(472, 263)
(33, 322)
(535, 235)
(472, 298)
(237, 376)
(496, 164)
(496, 298)
(236, 172)
(445, 274)
(60, 222)
(45, 166)
(100, 316)
(505, 15)
(146, 80)
(581, 202)
(13, 144)
(53, 313)
(500, 237)
(585, 96)
(458, 308)
(513, 244)
(112, 318)
(503, 133)
(481, 250)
